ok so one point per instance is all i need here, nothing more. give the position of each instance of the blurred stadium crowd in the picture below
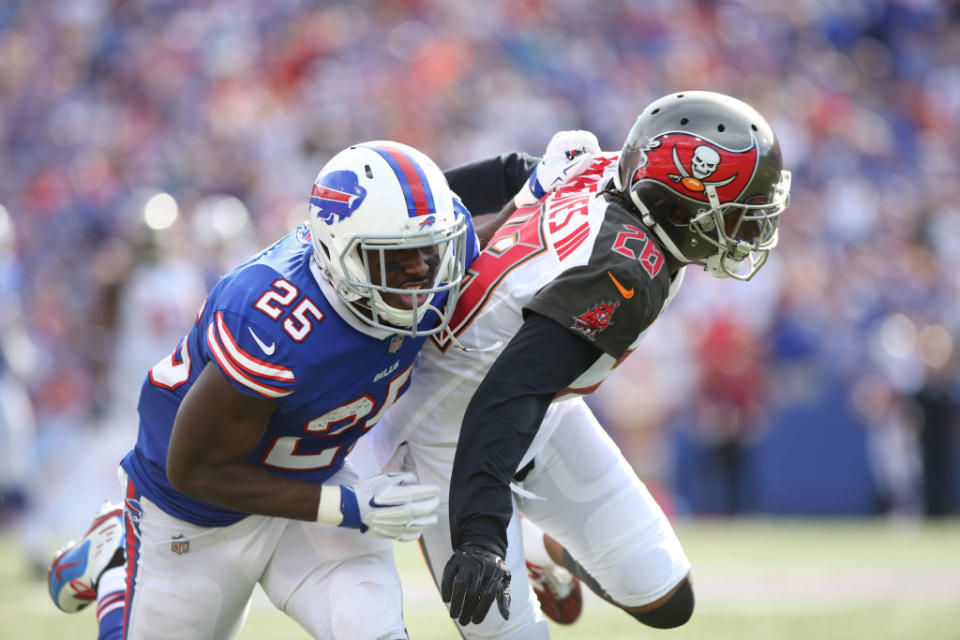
(146, 144)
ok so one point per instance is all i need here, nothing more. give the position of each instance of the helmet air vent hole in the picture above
(679, 95)
(685, 121)
(720, 128)
(657, 110)
(754, 127)
(368, 171)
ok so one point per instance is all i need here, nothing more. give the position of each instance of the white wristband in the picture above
(525, 197)
(328, 510)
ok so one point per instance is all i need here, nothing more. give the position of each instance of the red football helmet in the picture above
(704, 170)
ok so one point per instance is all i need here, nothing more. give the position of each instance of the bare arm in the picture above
(486, 185)
(487, 225)
(215, 429)
(495, 183)
(487, 188)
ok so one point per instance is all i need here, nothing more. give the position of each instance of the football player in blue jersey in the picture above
(239, 475)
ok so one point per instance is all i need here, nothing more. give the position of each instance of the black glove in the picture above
(473, 577)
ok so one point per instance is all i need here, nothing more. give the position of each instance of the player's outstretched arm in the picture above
(509, 181)
(216, 428)
(503, 416)
(486, 185)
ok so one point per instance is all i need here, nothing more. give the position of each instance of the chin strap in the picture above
(647, 218)
(459, 345)
(719, 265)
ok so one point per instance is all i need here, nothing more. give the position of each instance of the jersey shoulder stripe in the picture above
(243, 368)
(246, 361)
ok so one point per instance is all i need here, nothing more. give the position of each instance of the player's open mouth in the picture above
(406, 299)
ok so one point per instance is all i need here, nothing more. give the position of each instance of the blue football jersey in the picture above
(273, 329)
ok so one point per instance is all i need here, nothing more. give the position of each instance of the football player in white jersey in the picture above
(240, 466)
(561, 294)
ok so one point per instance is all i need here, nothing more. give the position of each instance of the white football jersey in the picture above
(576, 257)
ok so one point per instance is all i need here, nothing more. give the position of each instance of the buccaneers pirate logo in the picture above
(594, 320)
(689, 164)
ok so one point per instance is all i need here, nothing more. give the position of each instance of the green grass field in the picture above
(754, 580)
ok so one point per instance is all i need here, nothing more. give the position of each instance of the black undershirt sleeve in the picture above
(503, 416)
(485, 186)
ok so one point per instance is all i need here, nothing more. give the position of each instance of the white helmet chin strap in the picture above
(339, 286)
(722, 266)
(400, 317)
(719, 265)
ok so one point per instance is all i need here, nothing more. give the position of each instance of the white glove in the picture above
(389, 505)
(568, 154)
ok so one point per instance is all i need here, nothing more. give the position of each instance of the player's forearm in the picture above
(247, 489)
(501, 421)
(485, 186)
(486, 226)
(494, 437)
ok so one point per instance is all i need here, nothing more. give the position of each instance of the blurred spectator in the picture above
(892, 445)
(223, 236)
(148, 292)
(729, 415)
(939, 420)
(16, 364)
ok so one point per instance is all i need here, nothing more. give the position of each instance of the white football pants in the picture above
(582, 492)
(192, 582)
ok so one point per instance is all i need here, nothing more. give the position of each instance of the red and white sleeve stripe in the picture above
(263, 378)
(108, 603)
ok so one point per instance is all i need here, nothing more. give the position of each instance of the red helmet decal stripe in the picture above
(689, 164)
(412, 180)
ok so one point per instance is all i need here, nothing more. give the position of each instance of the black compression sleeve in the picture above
(501, 420)
(486, 185)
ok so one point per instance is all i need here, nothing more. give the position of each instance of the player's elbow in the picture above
(184, 477)
(177, 476)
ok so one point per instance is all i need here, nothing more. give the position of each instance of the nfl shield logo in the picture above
(179, 545)
(395, 343)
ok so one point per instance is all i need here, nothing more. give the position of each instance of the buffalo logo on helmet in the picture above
(595, 319)
(689, 164)
(336, 196)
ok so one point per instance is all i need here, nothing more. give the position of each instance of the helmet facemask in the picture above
(741, 234)
(368, 259)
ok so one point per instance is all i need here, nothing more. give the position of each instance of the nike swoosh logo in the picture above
(626, 293)
(267, 350)
(66, 565)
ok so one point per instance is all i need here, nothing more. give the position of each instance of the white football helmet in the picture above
(382, 196)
